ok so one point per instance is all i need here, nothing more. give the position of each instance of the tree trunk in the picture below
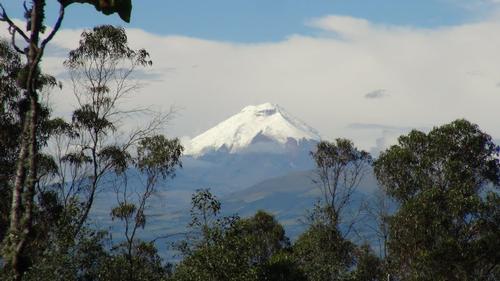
(24, 188)
(19, 178)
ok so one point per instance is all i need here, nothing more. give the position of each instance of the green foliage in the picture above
(47, 167)
(323, 254)
(204, 212)
(59, 126)
(10, 129)
(264, 234)
(144, 265)
(88, 118)
(157, 158)
(31, 116)
(206, 225)
(282, 266)
(107, 7)
(239, 250)
(159, 155)
(101, 69)
(368, 266)
(105, 42)
(447, 227)
(116, 157)
(67, 258)
(123, 211)
(13, 106)
(340, 153)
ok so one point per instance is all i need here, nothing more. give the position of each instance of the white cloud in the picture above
(323, 79)
(343, 25)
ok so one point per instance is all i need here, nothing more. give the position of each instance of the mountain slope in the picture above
(290, 197)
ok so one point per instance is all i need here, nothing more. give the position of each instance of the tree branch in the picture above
(56, 28)
(5, 18)
(13, 42)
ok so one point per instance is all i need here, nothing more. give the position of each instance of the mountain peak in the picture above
(254, 126)
(264, 109)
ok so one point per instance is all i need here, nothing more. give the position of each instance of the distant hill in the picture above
(288, 197)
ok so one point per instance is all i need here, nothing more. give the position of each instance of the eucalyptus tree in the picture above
(448, 223)
(323, 251)
(13, 106)
(101, 70)
(23, 190)
(94, 152)
(340, 167)
(157, 158)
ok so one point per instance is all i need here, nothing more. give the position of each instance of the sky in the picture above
(263, 20)
(369, 70)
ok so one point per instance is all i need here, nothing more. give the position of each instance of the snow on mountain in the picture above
(254, 127)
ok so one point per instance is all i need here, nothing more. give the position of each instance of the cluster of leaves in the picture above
(246, 249)
(10, 130)
(448, 225)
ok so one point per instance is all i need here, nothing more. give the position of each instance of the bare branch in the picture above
(14, 44)
(340, 167)
(5, 18)
(168, 236)
(56, 28)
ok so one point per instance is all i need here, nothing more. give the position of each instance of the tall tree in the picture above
(340, 167)
(94, 152)
(448, 225)
(323, 252)
(23, 191)
(102, 70)
(157, 158)
(13, 106)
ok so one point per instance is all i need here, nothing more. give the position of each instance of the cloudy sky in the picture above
(368, 70)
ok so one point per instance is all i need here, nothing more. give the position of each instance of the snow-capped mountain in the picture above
(261, 128)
